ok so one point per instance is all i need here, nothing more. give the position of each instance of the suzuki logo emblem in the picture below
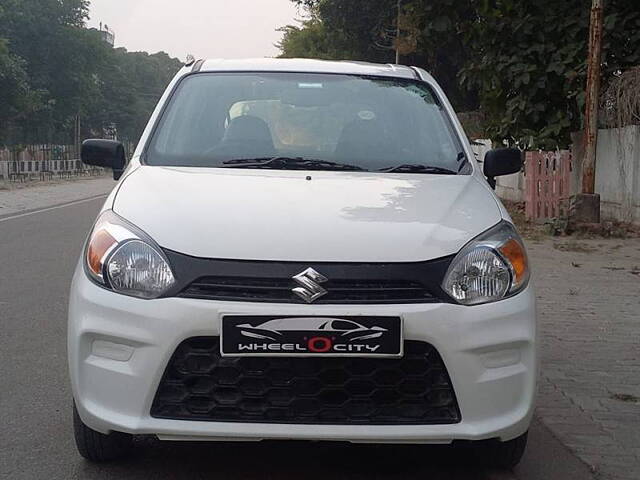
(309, 281)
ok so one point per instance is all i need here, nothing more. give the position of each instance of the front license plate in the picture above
(356, 336)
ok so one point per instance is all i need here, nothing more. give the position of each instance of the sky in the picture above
(203, 28)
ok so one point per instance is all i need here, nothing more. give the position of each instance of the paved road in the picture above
(589, 389)
(38, 252)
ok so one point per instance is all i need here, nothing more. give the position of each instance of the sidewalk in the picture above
(21, 198)
(589, 313)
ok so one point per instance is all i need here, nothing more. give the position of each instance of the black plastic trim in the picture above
(416, 75)
(201, 385)
(197, 66)
(428, 274)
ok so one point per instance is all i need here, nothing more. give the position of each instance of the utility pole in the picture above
(592, 98)
(398, 34)
(585, 206)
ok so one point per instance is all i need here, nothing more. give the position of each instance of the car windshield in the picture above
(306, 121)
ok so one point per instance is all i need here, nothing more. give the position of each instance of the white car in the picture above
(308, 192)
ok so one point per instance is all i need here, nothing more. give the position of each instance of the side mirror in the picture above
(503, 161)
(104, 153)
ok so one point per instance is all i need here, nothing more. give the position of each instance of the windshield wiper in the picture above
(294, 163)
(409, 168)
(238, 161)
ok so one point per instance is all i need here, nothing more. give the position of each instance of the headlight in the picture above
(490, 267)
(123, 258)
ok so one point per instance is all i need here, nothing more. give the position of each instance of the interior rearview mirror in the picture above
(502, 161)
(104, 153)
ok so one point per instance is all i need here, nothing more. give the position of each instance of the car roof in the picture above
(305, 65)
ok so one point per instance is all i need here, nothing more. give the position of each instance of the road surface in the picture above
(38, 252)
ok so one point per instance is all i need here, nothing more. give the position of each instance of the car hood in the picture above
(306, 216)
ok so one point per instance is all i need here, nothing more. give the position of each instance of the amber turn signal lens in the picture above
(514, 252)
(99, 244)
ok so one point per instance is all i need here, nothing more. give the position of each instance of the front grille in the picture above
(272, 281)
(199, 384)
(280, 290)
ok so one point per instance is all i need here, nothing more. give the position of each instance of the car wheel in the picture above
(503, 455)
(96, 446)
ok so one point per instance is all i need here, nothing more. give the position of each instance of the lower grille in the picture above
(199, 384)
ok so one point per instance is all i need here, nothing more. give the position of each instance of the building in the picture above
(106, 34)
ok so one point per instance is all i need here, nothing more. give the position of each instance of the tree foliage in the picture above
(530, 66)
(16, 96)
(312, 39)
(431, 34)
(521, 63)
(53, 69)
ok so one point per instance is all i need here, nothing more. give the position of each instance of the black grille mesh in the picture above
(199, 384)
(280, 290)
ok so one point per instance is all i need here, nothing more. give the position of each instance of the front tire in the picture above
(502, 455)
(96, 446)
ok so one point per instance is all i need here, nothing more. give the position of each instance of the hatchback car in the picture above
(268, 199)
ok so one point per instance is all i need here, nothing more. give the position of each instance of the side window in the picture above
(343, 325)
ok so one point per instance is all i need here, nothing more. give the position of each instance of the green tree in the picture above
(58, 55)
(131, 83)
(312, 40)
(522, 63)
(53, 69)
(431, 35)
(355, 28)
(16, 96)
(530, 64)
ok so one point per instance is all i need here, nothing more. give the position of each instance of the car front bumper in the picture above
(119, 348)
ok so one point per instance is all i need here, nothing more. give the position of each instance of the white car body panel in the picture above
(489, 351)
(238, 214)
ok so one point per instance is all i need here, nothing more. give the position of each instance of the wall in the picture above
(511, 187)
(617, 173)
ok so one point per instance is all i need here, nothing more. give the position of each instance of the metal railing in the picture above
(43, 162)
